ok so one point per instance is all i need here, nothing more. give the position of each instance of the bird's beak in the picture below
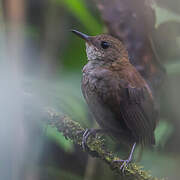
(81, 35)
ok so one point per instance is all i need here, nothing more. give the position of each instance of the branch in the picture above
(72, 130)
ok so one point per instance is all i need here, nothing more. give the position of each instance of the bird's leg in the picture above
(127, 161)
(87, 133)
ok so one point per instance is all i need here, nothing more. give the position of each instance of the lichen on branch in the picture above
(72, 130)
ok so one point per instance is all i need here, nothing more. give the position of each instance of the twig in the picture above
(72, 130)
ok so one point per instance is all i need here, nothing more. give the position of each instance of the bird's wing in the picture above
(133, 104)
(139, 114)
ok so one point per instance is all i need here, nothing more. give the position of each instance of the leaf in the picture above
(52, 133)
(80, 11)
(163, 132)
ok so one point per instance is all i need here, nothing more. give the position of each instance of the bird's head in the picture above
(103, 47)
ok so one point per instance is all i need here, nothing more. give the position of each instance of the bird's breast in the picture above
(94, 88)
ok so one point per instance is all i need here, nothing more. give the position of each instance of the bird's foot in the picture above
(86, 135)
(124, 163)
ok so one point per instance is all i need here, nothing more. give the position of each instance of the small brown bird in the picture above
(117, 95)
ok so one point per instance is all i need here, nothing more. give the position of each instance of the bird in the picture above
(118, 97)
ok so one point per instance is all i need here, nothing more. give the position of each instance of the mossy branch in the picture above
(72, 130)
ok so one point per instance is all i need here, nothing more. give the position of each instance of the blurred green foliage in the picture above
(57, 137)
(163, 132)
(79, 10)
(74, 57)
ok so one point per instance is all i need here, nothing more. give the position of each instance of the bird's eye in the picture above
(104, 44)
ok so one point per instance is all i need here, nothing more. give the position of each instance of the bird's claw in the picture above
(84, 140)
(124, 163)
(87, 133)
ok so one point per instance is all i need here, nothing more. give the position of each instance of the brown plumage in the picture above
(117, 95)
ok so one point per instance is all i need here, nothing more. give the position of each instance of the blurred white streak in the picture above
(12, 134)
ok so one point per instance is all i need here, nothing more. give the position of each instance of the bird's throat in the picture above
(93, 53)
